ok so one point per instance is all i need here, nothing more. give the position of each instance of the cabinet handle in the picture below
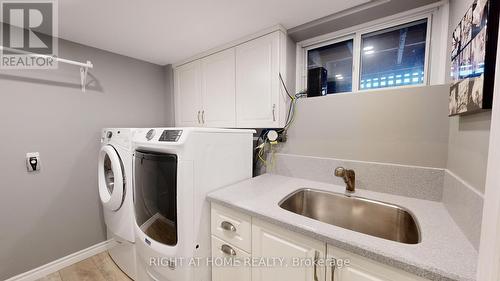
(274, 112)
(203, 116)
(199, 117)
(228, 226)
(316, 258)
(228, 250)
(333, 272)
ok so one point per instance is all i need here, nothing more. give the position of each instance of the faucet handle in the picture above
(349, 177)
(340, 172)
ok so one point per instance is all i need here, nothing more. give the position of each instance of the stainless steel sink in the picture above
(363, 215)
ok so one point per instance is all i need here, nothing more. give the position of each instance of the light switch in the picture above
(33, 161)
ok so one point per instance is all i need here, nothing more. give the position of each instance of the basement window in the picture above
(394, 57)
(386, 55)
(334, 60)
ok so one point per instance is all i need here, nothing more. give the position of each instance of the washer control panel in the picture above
(170, 135)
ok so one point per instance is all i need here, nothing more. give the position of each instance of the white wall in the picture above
(48, 215)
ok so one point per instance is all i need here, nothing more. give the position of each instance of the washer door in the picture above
(111, 179)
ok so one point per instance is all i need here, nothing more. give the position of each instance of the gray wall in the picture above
(403, 126)
(169, 88)
(56, 212)
(469, 135)
(464, 152)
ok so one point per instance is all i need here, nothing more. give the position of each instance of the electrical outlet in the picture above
(33, 161)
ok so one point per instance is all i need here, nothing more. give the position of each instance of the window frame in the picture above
(330, 42)
(355, 33)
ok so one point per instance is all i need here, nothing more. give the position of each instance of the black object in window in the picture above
(337, 59)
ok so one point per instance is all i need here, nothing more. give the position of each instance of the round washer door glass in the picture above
(110, 177)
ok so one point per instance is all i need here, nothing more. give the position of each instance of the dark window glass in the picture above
(155, 195)
(393, 57)
(336, 59)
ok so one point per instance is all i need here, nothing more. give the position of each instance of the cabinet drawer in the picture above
(364, 269)
(227, 272)
(232, 227)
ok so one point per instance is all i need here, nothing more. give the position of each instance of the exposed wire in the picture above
(262, 140)
(291, 109)
(284, 86)
(261, 153)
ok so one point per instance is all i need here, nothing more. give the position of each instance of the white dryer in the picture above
(115, 190)
(174, 169)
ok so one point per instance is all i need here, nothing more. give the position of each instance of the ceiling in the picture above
(168, 31)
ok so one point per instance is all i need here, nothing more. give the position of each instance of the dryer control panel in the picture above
(170, 135)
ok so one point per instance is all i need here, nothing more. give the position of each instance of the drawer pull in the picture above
(228, 250)
(316, 258)
(228, 226)
(333, 272)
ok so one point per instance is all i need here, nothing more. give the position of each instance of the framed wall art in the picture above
(473, 57)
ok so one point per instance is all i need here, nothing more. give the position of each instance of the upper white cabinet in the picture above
(218, 88)
(188, 101)
(238, 87)
(257, 82)
(204, 92)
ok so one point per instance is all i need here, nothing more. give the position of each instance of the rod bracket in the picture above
(83, 75)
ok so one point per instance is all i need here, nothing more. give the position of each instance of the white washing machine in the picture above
(115, 190)
(174, 169)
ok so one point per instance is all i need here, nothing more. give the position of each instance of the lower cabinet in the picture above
(288, 256)
(346, 266)
(277, 254)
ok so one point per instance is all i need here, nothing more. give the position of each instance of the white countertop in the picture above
(444, 253)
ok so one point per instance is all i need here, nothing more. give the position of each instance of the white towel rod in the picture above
(84, 67)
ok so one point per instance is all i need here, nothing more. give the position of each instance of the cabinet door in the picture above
(188, 100)
(297, 251)
(351, 267)
(257, 82)
(218, 89)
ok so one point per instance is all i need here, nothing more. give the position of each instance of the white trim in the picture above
(489, 248)
(434, 13)
(231, 44)
(63, 262)
(439, 55)
(356, 63)
(428, 48)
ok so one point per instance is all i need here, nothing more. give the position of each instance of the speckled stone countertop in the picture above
(444, 253)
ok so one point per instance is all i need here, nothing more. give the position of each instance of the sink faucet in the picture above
(349, 177)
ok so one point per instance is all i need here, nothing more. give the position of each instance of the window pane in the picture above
(393, 57)
(336, 59)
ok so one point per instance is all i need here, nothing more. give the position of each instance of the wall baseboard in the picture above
(63, 262)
